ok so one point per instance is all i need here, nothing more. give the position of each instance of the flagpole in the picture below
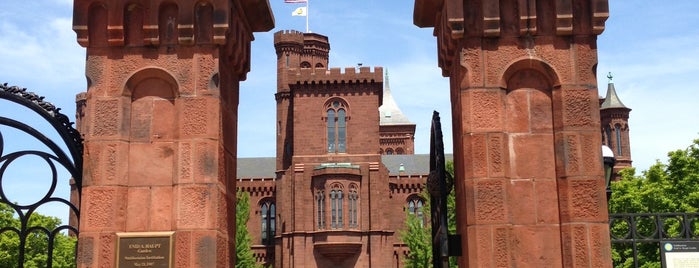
(307, 13)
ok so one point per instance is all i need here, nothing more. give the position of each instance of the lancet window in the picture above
(336, 126)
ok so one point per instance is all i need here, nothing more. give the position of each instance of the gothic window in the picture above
(337, 127)
(336, 208)
(415, 208)
(352, 198)
(617, 131)
(268, 212)
(305, 64)
(320, 212)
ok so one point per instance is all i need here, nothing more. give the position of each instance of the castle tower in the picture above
(529, 176)
(614, 116)
(329, 142)
(295, 50)
(397, 133)
(160, 124)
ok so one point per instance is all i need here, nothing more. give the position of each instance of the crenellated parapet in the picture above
(286, 41)
(336, 76)
(159, 22)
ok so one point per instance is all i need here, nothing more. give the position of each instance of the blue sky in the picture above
(650, 46)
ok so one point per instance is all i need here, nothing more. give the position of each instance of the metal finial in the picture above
(610, 77)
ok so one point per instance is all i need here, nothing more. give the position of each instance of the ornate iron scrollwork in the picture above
(54, 158)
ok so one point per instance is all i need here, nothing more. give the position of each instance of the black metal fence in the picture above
(27, 239)
(636, 237)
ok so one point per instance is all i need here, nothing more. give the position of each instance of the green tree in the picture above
(671, 187)
(243, 241)
(418, 236)
(36, 246)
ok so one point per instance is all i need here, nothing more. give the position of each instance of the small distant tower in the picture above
(614, 116)
(396, 132)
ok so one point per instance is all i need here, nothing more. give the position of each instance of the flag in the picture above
(301, 11)
(295, 1)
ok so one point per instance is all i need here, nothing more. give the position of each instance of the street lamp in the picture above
(609, 161)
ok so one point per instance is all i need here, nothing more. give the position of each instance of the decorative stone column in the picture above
(530, 186)
(159, 121)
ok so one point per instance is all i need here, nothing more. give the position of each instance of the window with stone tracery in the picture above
(336, 112)
(415, 205)
(268, 211)
(352, 197)
(336, 196)
(342, 208)
(320, 209)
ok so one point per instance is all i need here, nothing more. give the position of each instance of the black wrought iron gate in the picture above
(62, 156)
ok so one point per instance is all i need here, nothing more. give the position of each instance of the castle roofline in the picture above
(612, 99)
(335, 75)
(390, 113)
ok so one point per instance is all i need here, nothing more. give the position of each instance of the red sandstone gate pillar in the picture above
(530, 187)
(160, 120)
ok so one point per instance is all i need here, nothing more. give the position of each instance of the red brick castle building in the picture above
(345, 173)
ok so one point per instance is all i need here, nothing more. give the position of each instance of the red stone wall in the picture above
(362, 98)
(160, 124)
(526, 129)
(399, 138)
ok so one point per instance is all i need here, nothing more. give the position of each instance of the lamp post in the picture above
(609, 161)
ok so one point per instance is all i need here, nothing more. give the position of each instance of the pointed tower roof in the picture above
(612, 100)
(389, 112)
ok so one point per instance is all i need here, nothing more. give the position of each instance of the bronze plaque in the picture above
(149, 249)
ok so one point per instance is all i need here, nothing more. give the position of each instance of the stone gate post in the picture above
(160, 126)
(530, 187)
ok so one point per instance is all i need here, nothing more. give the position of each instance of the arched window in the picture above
(336, 208)
(305, 64)
(337, 127)
(389, 151)
(608, 136)
(320, 209)
(400, 151)
(617, 131)
(415, 205)
(352, 196)
(268, 212)
(319, 65)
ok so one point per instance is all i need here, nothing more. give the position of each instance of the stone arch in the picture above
(534, 64)
(158, 83)
(342, 104)
(97, 24)
(528, 141)
(153, 115)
